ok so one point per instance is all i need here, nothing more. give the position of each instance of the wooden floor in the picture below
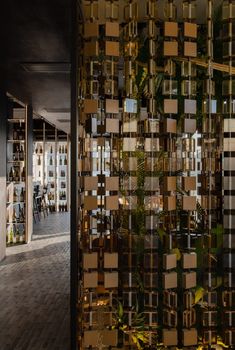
(34, 290)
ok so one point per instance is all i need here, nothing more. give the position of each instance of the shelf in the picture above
(16, 141)
(16, 120)
(16, 223)
(14, 203)
(15, 244)
(16, 182)
(56, 168)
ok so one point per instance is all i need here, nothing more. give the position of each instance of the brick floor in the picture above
(34, 290)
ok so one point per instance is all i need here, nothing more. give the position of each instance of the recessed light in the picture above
(57, 110)
(46, 67)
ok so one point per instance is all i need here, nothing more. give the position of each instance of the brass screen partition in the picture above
(153, 265)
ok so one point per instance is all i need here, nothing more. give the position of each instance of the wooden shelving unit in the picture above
(16, 205)
(62, 176)
(38, 163)
(50, 173)
(51, 166)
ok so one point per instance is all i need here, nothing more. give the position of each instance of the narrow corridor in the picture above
(34, 289)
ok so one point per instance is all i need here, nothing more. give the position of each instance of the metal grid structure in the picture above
(154, 226)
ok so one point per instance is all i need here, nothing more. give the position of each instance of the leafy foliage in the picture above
(139, 335)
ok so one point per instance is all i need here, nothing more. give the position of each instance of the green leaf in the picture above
(218, 231)
(120, 310)
(177, 252)
(199, 294)
(219, 282)
(219, 342)
(161, 233)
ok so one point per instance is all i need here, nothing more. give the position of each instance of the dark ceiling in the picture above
(38, 32)
(35, 32)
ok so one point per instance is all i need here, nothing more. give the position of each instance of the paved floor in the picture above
(34, 290)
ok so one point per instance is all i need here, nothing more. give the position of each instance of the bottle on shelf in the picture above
(14, 174)
(22, 195)
(14, 236)
(21, 236)
(17, 175)
(11, 175)
(39, 173)
(51, 161)
(10, 239)
(15, 196)
(21, 133)
(60, 160)
(39, 160)
(66, 149)
(15, 134)
(16, 155)
(65, 160)
(23, 177)
(14, 218)
(40, 149)
(22, 216)
(21, 153)
(51, 149)
(60, 149)
(17, 235)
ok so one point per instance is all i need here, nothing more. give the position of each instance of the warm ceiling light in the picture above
(46, 67)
